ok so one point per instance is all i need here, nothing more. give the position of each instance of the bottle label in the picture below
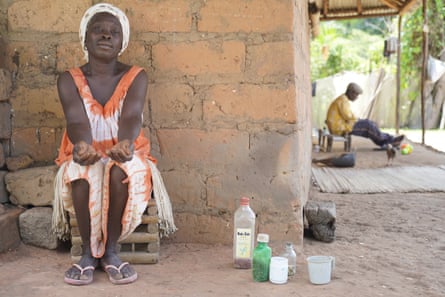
(243, 242)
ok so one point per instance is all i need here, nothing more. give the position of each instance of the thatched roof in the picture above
(348, 9)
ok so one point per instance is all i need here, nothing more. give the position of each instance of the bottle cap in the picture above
(245, 201)
(263, 237)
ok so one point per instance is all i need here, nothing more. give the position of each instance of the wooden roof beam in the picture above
(407, 7)
(365, 12)
(356, 16)
(359, 7)
(391, 4)
(325, 7)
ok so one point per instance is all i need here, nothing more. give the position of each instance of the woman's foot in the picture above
(82, 272)
(118, 272)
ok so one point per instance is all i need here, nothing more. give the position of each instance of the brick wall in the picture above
(228, 107)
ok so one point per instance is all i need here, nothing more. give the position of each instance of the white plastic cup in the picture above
(320, 269)
(278, 270)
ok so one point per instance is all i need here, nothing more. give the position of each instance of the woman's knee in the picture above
(117, 173)
(117, 178)
(80, 187)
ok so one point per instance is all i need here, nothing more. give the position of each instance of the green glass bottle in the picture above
(261, 259)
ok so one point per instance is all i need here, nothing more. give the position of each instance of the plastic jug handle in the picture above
(332, 263)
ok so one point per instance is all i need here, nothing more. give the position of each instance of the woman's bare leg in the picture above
(80, 195)
(118, 201)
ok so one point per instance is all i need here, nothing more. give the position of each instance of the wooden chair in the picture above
(326, 140)
(140, 247)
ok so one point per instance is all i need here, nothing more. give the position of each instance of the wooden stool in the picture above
(140, 247)
(326, 140)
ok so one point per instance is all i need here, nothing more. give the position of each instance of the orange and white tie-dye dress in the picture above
(104, 128)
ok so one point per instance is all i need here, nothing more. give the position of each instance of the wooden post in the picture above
(398, 75)
(425, 58)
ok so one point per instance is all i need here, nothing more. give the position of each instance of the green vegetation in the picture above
(411, 42)
(355, 45)
(358, 44)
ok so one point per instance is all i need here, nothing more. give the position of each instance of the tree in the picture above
(358, 45)
(355, 45)
(411, 62)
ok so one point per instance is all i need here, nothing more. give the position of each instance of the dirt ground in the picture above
(386, 245)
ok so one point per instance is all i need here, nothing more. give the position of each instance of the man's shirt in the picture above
(340, 118)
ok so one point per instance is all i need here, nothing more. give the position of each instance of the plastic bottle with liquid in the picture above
(243, 235)
(261, 259)
(291, 256)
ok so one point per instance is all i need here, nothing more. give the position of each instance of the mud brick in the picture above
(4, 197)
(5, 84)
(5, 120)
(9, 229)
(2, 156)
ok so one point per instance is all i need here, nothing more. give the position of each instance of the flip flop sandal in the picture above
(117, 278)
(83, 279)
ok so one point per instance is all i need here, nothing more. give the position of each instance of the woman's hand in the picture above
(121, 151)
(85, 154)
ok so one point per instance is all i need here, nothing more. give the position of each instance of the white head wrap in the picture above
(108, 8)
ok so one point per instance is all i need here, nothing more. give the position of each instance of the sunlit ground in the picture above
(434, 138)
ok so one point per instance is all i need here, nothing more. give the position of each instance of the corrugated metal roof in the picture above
(348, 9)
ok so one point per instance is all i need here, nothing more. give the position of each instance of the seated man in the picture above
(341, 120)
